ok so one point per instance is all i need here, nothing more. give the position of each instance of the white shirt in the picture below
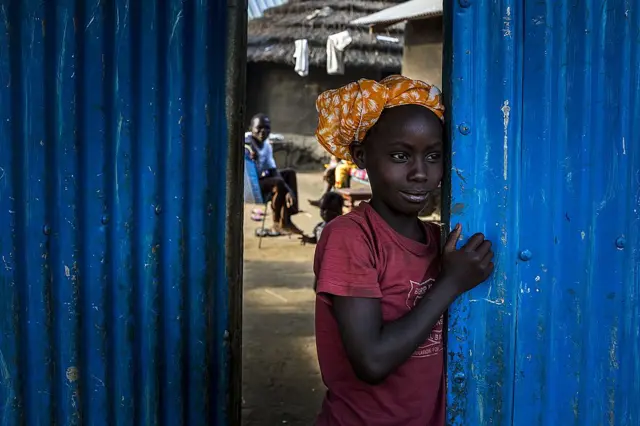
(264, 156)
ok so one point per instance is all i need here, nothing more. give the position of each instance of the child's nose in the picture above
(418, 171)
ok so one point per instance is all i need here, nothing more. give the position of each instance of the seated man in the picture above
(278, 185)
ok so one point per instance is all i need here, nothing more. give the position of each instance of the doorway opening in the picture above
(281, 378)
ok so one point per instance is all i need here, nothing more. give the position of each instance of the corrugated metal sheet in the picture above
(546, 161)
(257, 7)
(413, 9)
(113, 186)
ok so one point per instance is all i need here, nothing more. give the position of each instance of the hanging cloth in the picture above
(301, 56)
(336, 44)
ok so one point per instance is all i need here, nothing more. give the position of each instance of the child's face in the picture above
(403, 157)
(330, 209)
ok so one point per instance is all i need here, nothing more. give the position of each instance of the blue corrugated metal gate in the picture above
(546, 161)
(115, 192)
(114, 294)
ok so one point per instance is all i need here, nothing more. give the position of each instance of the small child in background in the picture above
(331, 205)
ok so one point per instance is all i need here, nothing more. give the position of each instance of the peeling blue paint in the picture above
(113, 139)
(551, 94)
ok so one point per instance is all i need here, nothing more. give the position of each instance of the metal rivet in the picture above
(464, 129)
(620, 242)
(459, 378)
(526, 255)
(464, 3)
(158, 209)
(105, 219)
(46, 230)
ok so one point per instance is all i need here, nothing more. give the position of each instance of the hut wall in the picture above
(288, 99)
(422, 56)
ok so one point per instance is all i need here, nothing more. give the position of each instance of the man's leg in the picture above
(291, 180)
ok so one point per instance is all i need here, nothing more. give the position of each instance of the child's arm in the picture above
(376, 349)
(305, 239)
(312, 239)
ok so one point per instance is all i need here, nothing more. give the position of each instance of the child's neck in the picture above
(407, 226)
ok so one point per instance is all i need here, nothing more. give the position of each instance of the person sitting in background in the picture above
(337, 175)
(331, 206)
(278, 185)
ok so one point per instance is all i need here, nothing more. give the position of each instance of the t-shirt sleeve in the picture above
(344, 261)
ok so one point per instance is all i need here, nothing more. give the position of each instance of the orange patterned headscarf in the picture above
(346, 114)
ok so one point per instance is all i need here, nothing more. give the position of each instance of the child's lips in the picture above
(415, 196)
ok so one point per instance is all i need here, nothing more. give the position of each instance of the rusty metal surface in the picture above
(235, 109)
(114, 298)
(545, 129)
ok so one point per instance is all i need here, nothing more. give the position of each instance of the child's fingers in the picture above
(474, 243)
(487, 259)
(453, 238)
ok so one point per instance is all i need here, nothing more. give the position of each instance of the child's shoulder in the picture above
(352, 225)
(347, 235)
(434, 226)
(347, 222)
(435, 230)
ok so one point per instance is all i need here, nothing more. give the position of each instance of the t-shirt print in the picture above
(433, 345)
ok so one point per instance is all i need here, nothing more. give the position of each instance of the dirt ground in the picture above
(281, 380)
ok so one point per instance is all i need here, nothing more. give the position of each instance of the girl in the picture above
(382, 283)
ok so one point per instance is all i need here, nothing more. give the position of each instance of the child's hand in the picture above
(305, 240)
(471, 264)
(289, 200)
(251, 153)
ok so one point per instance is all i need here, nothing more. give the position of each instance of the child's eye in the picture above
(400, 156)
(434, 157)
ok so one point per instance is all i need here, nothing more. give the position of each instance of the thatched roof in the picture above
(271, 38)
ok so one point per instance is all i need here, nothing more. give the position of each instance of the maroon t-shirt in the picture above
(359, 255)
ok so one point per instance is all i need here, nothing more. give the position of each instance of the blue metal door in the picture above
(118, 288)
(545, 124)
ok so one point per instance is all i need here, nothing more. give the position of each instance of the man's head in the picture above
(403, 154)
(331, 206)
(260, 127)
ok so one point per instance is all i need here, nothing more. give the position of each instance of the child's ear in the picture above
(358, 154)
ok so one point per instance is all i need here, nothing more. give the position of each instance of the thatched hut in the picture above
(273, 87)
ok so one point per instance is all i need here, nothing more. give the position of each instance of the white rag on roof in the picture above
(301, 55)
(336, 44)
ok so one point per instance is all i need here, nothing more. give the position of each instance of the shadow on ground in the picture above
(281, 379)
